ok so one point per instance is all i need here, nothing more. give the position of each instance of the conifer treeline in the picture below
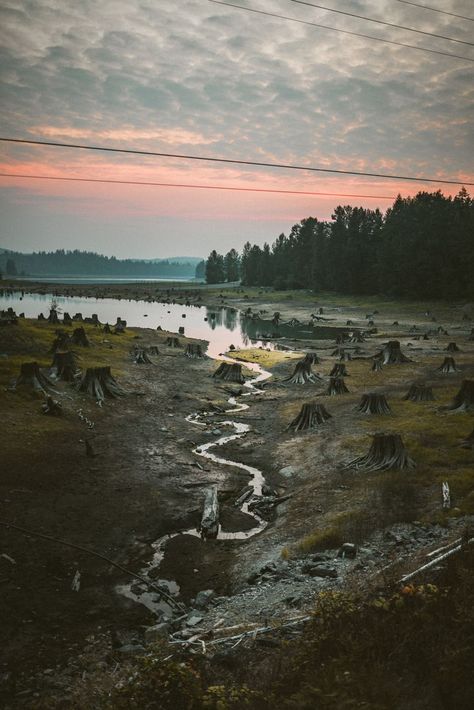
(422, 247)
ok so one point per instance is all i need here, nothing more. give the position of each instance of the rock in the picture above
(320, 557)
(288, 471)
(348, 551)
(204, 598)
(193, 619)
(319, 570)
(156, 632)
(216, 432)
(132, 650)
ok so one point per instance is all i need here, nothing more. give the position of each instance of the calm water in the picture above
(109, 279)
(223, 327)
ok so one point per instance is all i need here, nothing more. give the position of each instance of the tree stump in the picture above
(452, 348)
(106, 329)
(65, 364)
(77, 317)
(373, 403)
(61, 342)
(339, 370)
(230, 373)
(311, 415)
(79, 337)
(447, 366)
(173, 342)
(31, 376)
(464, 400)
(209, 527)
(311, 359)
(357, 337)
(387, 451)
(140, 357)
(99, 383)
(67, 320)
(53, 316)
(419, 393)
(302, 374)
(41, 317)
(194, 351)
(391, 354)
(336, 386)
(52, 408)
(153, 350)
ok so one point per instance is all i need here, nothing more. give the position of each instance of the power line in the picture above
(199, 187)
(381, 22)
(233, 161)
(344, 32)
(435, 9)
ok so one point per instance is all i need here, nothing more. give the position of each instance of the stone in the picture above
(319, 570)
(287, 471)
(193, 619)
(347, 551)
(132, 650)
(204, 598)
(156, 632)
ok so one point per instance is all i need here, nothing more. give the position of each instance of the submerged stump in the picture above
(310, 416)
(98, 382)
(387, 451)
(230, 372)
(373, 403)
(419, 393)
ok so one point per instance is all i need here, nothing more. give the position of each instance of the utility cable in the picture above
(344, 32)
(381, 22)
(435, 9)
(198, 187)
(233, 161)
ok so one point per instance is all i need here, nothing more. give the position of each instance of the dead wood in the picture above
(377, 364)
(99, 383)
(447, 366)
(194, 351)
(310, 416)
(302, 374)
(230, 373)
(336, 386)
(173, 342)
(106, 329)
(373, 403)
(464, 400)
(140, 357)
(357, 337)
(452, 348)
(387, 451)
(311, 359)
(419, 393)
(153, 350)
(65, 364)
(391, 354)
(52, 408)
(61, 341)
(53, 316)
(31, 376)
(67, 320)
(339, 370)
(210, 516)
(79, 337)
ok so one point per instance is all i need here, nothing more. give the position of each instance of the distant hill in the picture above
(86, 263)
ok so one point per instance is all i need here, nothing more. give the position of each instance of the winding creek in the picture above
(220, 327)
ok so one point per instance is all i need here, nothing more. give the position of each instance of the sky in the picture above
(198, 78)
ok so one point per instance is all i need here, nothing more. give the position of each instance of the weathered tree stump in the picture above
(447, 366)
(173, 342)
(99, 383)
(387, 451)
(302, 374)
(31, 376)
(52, 408)
(65, 364)
(77, 317)
(140, 357)
(344, 355)
(452, 348)
(41, 317)
(53, 316)
(106, 329)
(336, 386)
(209, 527)
(311, 359)
(419, 393)
(464, 400)
(342, 338)
(67, 320)
(61, 341)
(339, 370)
(373, 403)
(230, 372)
(79, 337)
(153, 350)
(194, 351)
(391, 354)
(311, 415)
(357, 337)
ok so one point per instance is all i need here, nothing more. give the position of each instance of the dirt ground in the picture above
(145, 482)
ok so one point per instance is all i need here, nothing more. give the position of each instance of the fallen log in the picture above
(310, 416)
(373, 403)
(209, 527)
(386, 452)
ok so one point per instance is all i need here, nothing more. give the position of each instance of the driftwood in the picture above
(391, 354)
(447, 366)
(373, 403)
(419, 393)
(65, 364)
(464, 400)
(302, 374)
(386, 451)
(339, 370)
(172, 342)
(311, 415)
(31, 376)
(210, 516)
(99, 383)
(194, 351)
(336, 386)
(230, 372)
(52, 408)
(452, 348)
(79, 337)
(140, 357)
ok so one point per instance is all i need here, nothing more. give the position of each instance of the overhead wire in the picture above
(435, 9)
(233, 161)
(345, 32)
(380, 22)
(194, 186)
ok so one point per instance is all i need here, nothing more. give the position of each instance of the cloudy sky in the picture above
(193, 77)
